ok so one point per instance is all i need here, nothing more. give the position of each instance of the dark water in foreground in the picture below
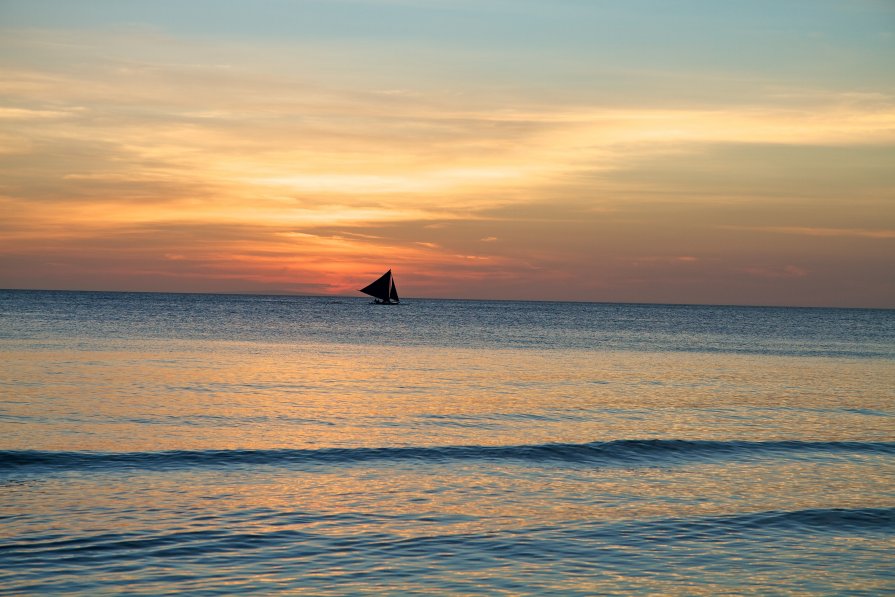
(233, 444)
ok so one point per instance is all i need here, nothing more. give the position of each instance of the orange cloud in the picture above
(202, 169)
(811, 231)
(787, 271)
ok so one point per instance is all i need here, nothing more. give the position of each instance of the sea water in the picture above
(206, 444)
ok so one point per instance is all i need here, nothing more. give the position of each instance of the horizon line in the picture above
(414, 298)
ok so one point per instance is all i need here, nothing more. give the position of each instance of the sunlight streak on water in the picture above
(154, 454)
(262, 395)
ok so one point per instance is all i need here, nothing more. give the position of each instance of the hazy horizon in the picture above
(406, 298)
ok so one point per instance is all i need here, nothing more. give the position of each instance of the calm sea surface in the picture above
(161, 443)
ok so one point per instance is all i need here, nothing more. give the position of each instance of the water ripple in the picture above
(652, 452)
(649, 545)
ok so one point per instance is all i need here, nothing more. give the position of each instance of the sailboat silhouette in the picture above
(383, 290)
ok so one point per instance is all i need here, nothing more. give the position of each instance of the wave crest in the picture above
(657, 452)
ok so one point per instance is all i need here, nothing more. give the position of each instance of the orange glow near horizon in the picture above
(136, 159)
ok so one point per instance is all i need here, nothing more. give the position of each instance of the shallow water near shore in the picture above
(210, 444)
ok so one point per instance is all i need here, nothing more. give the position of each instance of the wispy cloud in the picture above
(269, 161)
(786, 271)
(811, 231)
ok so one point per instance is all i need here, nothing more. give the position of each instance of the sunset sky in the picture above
(639, 151)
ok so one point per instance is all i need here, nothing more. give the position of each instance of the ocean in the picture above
(229, 444)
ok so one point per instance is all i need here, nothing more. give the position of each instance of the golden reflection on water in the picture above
(457, 499)
(153, 395)
(207, 395)
(370, 508)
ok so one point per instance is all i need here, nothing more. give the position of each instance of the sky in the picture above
(692, 151)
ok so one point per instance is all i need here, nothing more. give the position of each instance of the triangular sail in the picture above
(394, 293)
(383, 288)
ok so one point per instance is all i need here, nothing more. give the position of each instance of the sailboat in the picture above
(383, 290)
